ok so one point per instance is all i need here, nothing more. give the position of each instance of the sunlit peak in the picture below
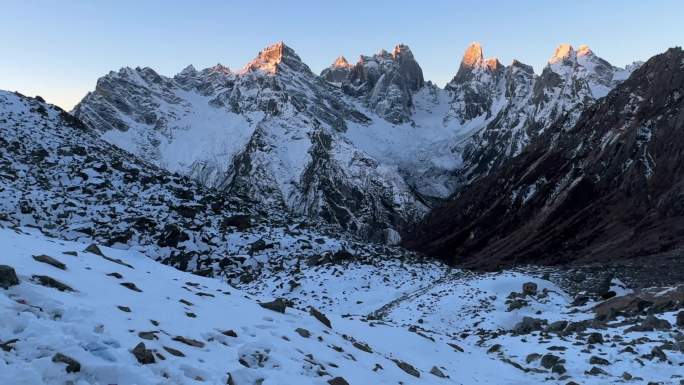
(563, 52)
(473, 55)
(584, 50)
(341, 62)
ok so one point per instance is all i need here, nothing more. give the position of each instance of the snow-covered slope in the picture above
(194, 330)
(80, 313)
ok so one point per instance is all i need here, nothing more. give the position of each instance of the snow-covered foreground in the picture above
(101, 321)
(549, 337)
(391, 323)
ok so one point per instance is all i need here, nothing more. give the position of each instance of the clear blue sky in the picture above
(58, 48)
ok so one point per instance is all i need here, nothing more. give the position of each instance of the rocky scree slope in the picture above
(609, 187)
(58, 175)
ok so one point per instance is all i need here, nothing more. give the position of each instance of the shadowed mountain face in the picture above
(609, 187)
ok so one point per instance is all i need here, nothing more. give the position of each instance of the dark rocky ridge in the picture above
(609, 188)
(385, 81)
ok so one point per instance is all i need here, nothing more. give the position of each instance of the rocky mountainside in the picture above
(514, 105)
(385, 82)
(609, 187)
(270, 132)
(368, 147)
(58, 175)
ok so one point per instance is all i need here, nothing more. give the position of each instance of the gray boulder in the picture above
(8, 277)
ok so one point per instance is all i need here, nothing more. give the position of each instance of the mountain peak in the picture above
(272, 56)
(473, 55)
(493, 64)
(189, 70)
(402, 50)
(341, 62)
(473, 58)
(584, 50)
(562, 53)
(219, 68)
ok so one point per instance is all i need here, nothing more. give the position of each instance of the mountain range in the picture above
(370, 147)
(334, 228)
(607, 188)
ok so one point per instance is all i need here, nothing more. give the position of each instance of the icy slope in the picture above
(195, 329)
(546, 334)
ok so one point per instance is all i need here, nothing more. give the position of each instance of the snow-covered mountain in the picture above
(58, 175)
(268, 297)
(385, 82)
(367, 146)
(608, 187)
(514, 105)
(270, 132)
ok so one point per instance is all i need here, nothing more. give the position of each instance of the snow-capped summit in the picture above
(475, 86)
(584, 50)
(473, 60)
(571, 81)
(338, 71)
(472, 63)
(473, 55)
(190, 70)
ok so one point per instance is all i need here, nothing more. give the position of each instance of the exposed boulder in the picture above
(338, 381)
(51, 282)
(529, 288)
(320, 316)
(408, 368)
(72, 366)
(143, 355)
(529, 325)
(8, 277)
(50, 261)
(278, 305)
(649, 324)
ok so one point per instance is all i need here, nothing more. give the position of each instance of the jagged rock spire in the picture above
(562, 53)
(473, 58)
(473, 55)
(341, 62)
(271, 58)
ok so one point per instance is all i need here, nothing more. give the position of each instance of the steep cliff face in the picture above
(608, 187)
